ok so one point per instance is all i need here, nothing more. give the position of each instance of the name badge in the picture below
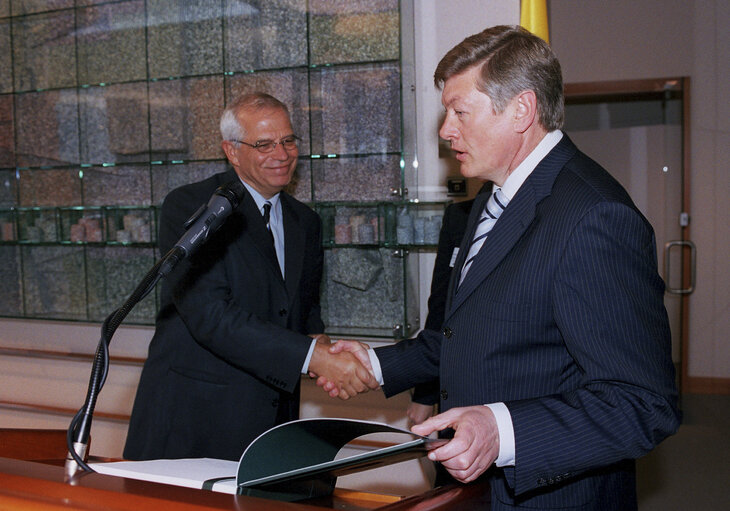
(453, 257)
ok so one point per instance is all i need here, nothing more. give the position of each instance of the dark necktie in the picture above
(267, 220)
(494, 207)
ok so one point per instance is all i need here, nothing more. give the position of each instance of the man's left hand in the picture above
(475, 445)
(321, 338)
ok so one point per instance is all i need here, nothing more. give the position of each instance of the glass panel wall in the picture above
(106, 106)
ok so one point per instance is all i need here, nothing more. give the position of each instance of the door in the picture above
(636, 130)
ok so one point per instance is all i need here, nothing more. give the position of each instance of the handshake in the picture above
(342, 369)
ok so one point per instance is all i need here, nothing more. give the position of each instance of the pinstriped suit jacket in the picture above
(561, 317)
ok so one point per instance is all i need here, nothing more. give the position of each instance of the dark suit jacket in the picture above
(225, 361)
(560, 317)
(452, 231)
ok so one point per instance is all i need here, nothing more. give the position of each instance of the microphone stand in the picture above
(77, 436)
(207, 219)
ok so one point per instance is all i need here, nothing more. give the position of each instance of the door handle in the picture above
(693, 265)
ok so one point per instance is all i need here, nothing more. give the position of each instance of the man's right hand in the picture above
(357, 349)
(343, 371)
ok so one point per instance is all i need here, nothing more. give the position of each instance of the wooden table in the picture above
(29, 485)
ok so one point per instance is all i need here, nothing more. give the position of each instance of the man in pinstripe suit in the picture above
(557, 324)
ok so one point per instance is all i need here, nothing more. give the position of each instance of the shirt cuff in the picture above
(375, 363)
(305, 367)
(506, 431)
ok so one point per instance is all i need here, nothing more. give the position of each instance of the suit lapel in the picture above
(471, 225)
(293, 245)
(257, 231)
(506, 232)
(510, 227)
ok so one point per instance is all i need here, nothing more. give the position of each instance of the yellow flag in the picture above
(533, 17)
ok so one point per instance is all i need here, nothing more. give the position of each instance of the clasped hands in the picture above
(475, 445)
(343, 373)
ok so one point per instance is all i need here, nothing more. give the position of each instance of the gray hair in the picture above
(230, 128)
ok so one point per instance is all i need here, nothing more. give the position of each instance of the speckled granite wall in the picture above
(11, 299)
(113, 104)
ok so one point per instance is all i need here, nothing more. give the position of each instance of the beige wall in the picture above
(633, 39)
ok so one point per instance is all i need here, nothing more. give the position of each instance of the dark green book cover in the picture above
(296, 460)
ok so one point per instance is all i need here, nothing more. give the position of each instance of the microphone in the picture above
(209, 217)
(206, 220)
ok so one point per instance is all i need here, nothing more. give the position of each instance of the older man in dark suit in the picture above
(239, 322)
(555, 318)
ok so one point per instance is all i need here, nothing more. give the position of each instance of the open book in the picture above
(292, 461)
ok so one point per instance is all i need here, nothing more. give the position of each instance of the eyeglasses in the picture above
(266, 146)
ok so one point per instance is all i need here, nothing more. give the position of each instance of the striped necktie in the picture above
(494, 207)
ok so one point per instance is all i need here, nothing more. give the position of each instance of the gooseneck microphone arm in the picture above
(77, 436)
(198, 228)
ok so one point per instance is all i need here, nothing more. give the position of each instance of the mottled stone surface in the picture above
(7, 131)
(119, 185)
(365, 179)
(55, 285)
(353, 31)
(360, 109)
(184, 118)
(185, 38)
(8, 225)
(373, 311)
(291, 87)
(82, 3)
(114, 123)
(355, 268)
(8, 189)
(6, 78)
(50, 187)
(35, 6)
(11, 299)
(114, 273)
(111, 42)
(166, 178)
(38, 225)
(348, 110)
(301, 184)
(46, 127)
(261, 34)
(44, 52)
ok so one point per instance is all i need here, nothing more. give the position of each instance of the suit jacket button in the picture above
(444, 395)
(448, 332)
(274, 403)
(282, 312)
